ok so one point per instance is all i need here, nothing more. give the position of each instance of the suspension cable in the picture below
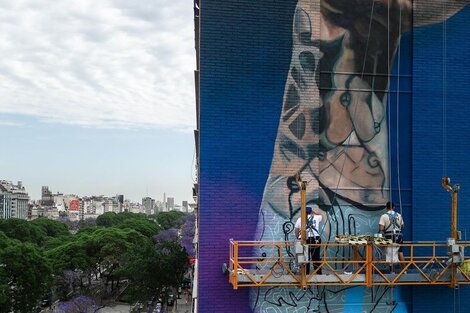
(355, 107)
(444, 91)
(354, 113)
(389, 123)
(398, 115)
(389, 140)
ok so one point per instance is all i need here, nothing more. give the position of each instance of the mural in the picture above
(333, 132)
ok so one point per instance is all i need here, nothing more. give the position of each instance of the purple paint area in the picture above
(229, 213)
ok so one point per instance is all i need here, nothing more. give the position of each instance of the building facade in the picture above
(47, 199)
(170, 204)
(5, 205)
(17, 197)
(148, 204)
(366, 100)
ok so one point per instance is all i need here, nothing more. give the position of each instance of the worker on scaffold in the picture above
(313, 236)
(391, 224)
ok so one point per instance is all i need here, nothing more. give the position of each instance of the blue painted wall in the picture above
(245, 53)
(431, 204)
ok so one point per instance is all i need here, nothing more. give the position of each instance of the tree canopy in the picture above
(42, 253)
(171, 219)
(22, 230)
(111, 219)
(146, 227)
(25, 276)
(51, 228)
(151, 267)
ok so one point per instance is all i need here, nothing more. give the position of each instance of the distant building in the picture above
(159, 206)
(93, 206)
(46, 197)
(132, 207)
(120, 199)
(148, 204)
(74, 206)
(17, 197)
(110, 205)
(120, 202)
(170, 203)
(5, 205)
(185, 206)
(60, 202)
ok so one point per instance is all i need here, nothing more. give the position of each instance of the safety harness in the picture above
(396, 228)
(310, 226)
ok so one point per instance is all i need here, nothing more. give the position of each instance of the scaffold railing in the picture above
(258, 264)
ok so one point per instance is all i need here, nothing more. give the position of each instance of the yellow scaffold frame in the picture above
(276, 268)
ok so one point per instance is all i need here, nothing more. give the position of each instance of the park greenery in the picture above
(122, 255)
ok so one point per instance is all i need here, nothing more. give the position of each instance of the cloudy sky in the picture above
(97, 97)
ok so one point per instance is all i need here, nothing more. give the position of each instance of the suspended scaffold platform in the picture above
(427, 263)
(351, 260)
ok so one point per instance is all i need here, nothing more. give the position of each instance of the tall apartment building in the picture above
(170, 203)
(185, 206)
(5, 205)
(17, 197)
(148, 203)
(119, 201)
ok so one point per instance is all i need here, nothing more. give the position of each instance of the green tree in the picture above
(112, 245)
(151, 267)
(22, 230)
(52, 243)
(172, 219)
(70, 256)
(73, 260)
(173, 260)
(146, 227)
(51, 228)
(92, 251)
(4, 242)
(25, 277)
(141, 266)
(110, 219)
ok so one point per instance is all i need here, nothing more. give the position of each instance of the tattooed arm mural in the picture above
(333, 131)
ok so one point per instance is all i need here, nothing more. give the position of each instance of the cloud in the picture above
(107, 63)
(11, 123)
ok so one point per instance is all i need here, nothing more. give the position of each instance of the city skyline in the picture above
(98, 97)
(34, 196)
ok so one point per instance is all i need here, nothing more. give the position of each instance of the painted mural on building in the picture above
(333, 132)
(330, 90)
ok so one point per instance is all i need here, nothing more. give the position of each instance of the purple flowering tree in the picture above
(67, 282)
(79, 304)
(187, 234)
(169, 235)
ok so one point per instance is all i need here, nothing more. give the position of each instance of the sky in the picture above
(97, 97)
